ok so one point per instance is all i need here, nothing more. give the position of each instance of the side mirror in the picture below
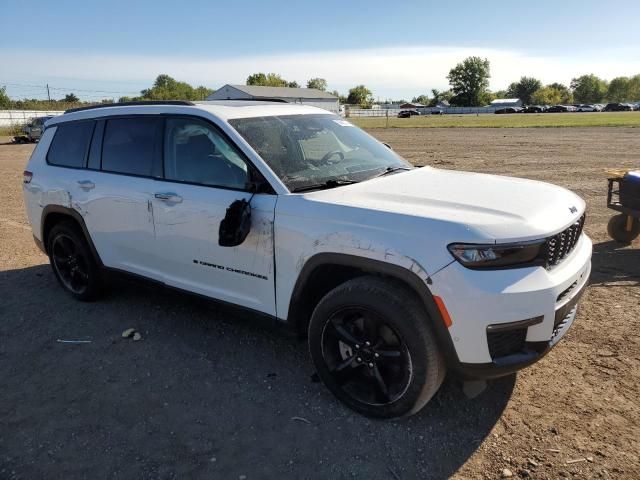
(236, 224)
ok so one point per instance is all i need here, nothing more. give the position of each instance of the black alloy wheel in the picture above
(373, 348)
(72, 261)
(70, 264)
(365, 356)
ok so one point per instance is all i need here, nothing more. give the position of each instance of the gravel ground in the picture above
(212, 393)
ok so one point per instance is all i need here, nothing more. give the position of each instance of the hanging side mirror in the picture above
(236, 224)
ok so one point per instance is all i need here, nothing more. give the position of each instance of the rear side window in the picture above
(129, 145)
(70, 144)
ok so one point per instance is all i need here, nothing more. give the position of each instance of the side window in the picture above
(195, 152)
(129, 145)
(70, 144)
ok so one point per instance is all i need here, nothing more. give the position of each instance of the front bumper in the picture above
(505, 320)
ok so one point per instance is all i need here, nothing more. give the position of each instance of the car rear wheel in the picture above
(72, 261)
(619, 231)
(371, 346)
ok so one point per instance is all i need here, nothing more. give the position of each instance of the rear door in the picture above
(204, 173)
(114, 193)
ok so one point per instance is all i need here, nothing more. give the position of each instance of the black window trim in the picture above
(96, 139)
(87, 149)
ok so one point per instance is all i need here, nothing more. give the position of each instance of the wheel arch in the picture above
(325, 271)
(54, 214)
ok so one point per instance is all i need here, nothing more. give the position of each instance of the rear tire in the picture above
(617, 229)
(72, 261)
(371, 346)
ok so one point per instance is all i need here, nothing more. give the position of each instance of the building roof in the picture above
(411, 105)
(505, 100)
(282, 92)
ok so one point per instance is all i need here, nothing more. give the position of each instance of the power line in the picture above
(69, 89)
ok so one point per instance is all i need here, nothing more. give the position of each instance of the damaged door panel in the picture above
(214, 233)
(188, 241)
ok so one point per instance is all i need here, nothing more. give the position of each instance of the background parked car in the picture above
(408, 113)
(33, 130)
(558, 109)
(509, 110)
(437, 111)
(618, 107)
(534, 109)
(587, 108)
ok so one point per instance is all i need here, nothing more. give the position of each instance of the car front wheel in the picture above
(371, 346)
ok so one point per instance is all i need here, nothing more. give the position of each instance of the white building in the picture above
(305, 96)
(506, 102)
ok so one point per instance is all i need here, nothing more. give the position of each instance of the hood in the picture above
(497, 208)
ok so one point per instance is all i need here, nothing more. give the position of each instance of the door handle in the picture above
(168, 197)
(86, 184)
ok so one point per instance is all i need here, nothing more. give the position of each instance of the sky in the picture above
(397, 49)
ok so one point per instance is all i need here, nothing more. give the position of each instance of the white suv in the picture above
(396, 274)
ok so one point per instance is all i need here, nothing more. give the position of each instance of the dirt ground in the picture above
(211, 393)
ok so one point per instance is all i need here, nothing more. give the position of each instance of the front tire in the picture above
(617, 229)
(371, 346)
(72, 262)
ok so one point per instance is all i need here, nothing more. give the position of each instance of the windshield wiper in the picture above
(333, 183)
(389, 170)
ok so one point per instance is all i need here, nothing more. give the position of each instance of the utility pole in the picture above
(48, 94)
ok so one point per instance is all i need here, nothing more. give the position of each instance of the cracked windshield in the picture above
(320, 151)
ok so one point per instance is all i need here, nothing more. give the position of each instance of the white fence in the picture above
(13, 117)
(393, 112)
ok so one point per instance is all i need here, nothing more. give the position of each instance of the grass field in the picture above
(596, 119)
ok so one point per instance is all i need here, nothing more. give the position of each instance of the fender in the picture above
(410, 278)
(70, 212)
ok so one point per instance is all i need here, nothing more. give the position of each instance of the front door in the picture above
(204, 173)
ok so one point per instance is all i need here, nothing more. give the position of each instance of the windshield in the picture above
(308, 150)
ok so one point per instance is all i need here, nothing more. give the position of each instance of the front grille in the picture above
(560, 245)
(503, 343)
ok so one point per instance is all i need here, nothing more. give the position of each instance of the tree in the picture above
(70, 98)
(360, 95)
(469, 80)
(565, 94)
(634, 88)
(618, 90)
(317, 83)
(5, 101)
(167, 88)
(422, 99)
(524, 88)
(270, 80)
(554, 94)
(439, 96)
(588, 89)
(546, 96)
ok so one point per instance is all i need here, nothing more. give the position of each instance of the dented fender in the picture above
(350, 244)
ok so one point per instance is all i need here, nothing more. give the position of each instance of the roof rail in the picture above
(257, 99)
(128, 104)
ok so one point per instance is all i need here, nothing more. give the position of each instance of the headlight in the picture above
(498, 256)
